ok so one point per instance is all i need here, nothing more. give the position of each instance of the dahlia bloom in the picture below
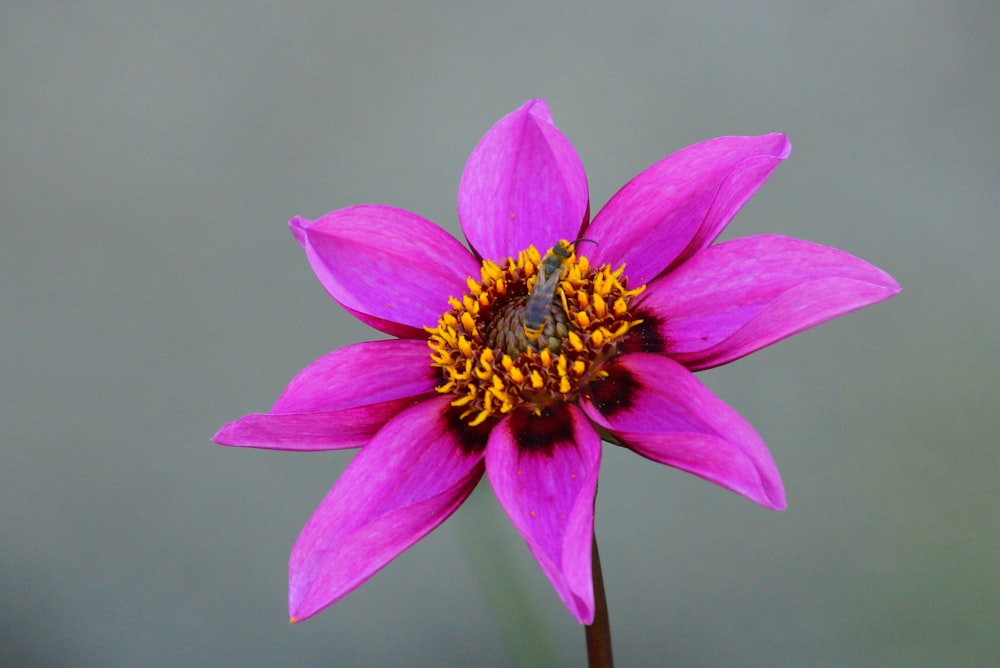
(465, 387)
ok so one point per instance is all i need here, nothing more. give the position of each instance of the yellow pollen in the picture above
(535, 258)
(488, 364)
(562, 298)
(599, 284)
(479, 419)
(464, 401)
(623, 328)
(600, 308)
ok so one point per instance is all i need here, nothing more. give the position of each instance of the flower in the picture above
(622, 310)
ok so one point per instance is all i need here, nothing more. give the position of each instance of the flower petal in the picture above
(339, 401)
(732, 299)
(360, 374)
(657, 408)
(523, 184)
(391, 268)
(681, 203)
(543, 469)
(411, 477)
(310, 432)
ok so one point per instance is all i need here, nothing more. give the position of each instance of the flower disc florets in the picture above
(491, 360)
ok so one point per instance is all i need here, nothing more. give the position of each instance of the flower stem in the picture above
(599, 633)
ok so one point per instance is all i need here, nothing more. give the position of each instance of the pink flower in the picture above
(467, 387)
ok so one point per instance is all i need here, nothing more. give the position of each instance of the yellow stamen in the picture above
(479, 419)
(600, 308)
(468, 323)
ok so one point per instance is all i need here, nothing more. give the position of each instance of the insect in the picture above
(540, 299)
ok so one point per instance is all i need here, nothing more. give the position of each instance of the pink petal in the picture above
(359, 374)
(411, 477)
(742, 295)
(682, 203)
(544, 471)
(392, 269)
(310, 432)
(523, 184)
(657, 408)
(340, 400)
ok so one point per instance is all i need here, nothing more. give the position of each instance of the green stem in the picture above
(599, 633)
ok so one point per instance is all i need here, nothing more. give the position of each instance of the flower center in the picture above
(532, 331)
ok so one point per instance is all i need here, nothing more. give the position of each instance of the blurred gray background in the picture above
(150, 156)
